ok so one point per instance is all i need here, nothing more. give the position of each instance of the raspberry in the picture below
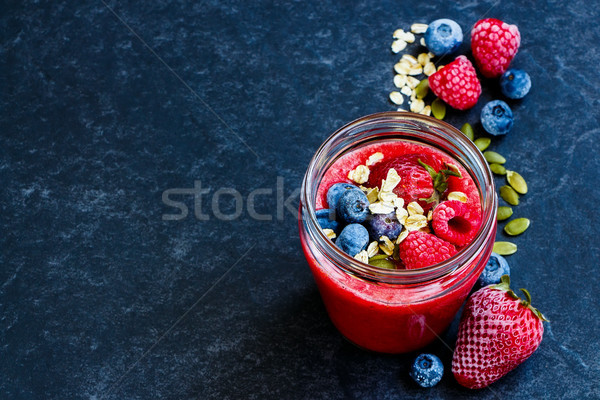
(455, 222)
(420, 250)
(494, 44)
(457, 84)
(415, 181)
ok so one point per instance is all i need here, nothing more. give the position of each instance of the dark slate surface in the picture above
(106, 105)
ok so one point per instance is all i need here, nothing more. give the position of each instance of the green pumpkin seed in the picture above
(438, 108)
(509, 195)
(493, 157)
(498, 169)
(504, 248)
(387, 264)
(504, 212)
(422, 89)
(517, 226)
(483, 143)
(467, 129)
(516, 181)
(378, 257)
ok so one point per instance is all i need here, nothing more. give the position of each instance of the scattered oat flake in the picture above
(401, 215)
(430, 215)
(398, 46)
(422, 42)
(418, 28)
(396, 98)
(329, 233)
(414, 208)
(426, 110)
(398, 202)
(402, 236)
(387, 246)
(380, 208)
(402, 68)
(391, 180)
(411, 59)
(429, 69)
(398, 33)
(399, 80)
(416, 69)
(374, 159)
(359, 174)
(372, 249)
(388, 198)
(417, 105)
(401, 109)
(423, 59)
(430, 54)
(362, 257)
(415, 222)
(460, 196)
(372, 194)
(406, 91)
(409, 37)
(412, 82)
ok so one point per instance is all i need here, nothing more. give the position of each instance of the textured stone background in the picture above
(103, 106)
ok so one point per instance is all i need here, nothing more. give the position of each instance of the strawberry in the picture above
(457, 84)
(421, 249)
(497, 332)
(494, 44)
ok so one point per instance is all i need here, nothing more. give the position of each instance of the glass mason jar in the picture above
(399, 310)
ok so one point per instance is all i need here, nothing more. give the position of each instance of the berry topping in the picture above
(443, 36)
(455, 222)
(427, 370)
(497, 332)
(493, 271)
(379, 225)
(494, 44)
(353, 206)
(353, 239)
(335, 191)
(457, 84)
(326, 219)
(515, 83)
(415, 182)
(497, 118)
(420, 250)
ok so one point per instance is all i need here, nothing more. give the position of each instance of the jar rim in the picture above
(446, 132)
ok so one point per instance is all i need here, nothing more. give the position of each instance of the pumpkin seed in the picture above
(517, 226)
(516, 181)
(387, 264)
(509, 195)
(493, 157)
(467, 129)
(378, 257)
(483, 143)
(504, 212)
(504, 248)
(498, 169)
(422, 89)
(438, 108)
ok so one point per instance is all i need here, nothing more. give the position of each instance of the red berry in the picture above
(421, 249)
(455, 222)
(415, 181)
(497, 332)
(457, 84)
(494, 44)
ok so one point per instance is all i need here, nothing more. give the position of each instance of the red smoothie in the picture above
(402, 315)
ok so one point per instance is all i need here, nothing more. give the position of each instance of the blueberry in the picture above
(326, 218)
(515, 83)
(336, 191)
(493, 271)
(352, 206)
(383, 224)
(427, 370)
(443, 36)
(353, 239)
(497, 118)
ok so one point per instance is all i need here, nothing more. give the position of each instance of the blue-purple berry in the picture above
(443, 36)
(515, 83)
(353, 239)
(352, 207)
(383, 225)
(497, 118)
(336, 191)
(493, 271)
(326, 219)
(427, 370)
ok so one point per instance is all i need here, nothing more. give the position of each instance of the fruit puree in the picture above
(390, 317)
